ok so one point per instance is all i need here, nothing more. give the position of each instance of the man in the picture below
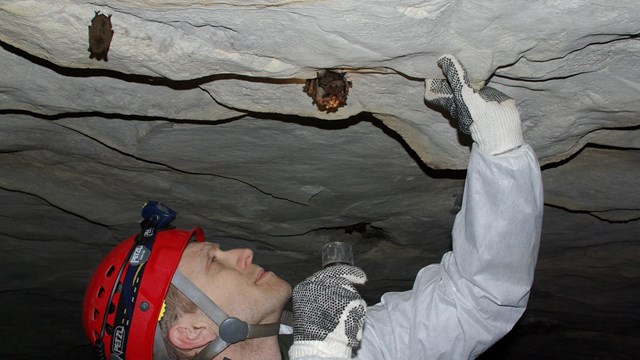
(217, 304)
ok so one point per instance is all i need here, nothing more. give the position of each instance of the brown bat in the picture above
(100, 35)
(329, 90)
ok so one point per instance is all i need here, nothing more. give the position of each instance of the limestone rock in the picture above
(200, 105)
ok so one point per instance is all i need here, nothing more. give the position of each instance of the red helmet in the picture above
(153, 270)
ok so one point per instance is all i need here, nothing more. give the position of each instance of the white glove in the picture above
(328, 313)
(490, 116)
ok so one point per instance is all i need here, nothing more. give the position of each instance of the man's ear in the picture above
(191, 332)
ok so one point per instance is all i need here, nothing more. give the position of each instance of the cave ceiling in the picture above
(201, 106)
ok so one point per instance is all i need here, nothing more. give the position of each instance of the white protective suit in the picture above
(460, 307)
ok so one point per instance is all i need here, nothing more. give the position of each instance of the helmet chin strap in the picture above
(231, 329)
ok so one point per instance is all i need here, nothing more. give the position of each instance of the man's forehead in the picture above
(196, 252)
(201, 247)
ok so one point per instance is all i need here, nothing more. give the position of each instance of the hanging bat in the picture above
(100, 35)
(328, 90)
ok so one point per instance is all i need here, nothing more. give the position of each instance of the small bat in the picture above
(100, 35)
(328, 91)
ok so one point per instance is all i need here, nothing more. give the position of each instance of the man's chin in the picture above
(285, 291)
(281, 284)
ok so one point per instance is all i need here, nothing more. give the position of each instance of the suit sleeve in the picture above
(457, 309)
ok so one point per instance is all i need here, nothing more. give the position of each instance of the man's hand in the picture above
(328, 313)
(490, 116)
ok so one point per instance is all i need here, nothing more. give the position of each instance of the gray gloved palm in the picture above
(490, 116)
(328, 313)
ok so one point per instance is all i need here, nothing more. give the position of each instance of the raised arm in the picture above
(460, 307)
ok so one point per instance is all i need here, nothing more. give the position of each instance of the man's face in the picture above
(241, 288)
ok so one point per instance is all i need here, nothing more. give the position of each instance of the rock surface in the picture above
(201, 106)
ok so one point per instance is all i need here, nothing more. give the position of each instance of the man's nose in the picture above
(244, 258)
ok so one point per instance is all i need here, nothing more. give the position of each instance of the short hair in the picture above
(177, 304)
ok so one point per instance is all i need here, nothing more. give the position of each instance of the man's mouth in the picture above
(260, 275)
